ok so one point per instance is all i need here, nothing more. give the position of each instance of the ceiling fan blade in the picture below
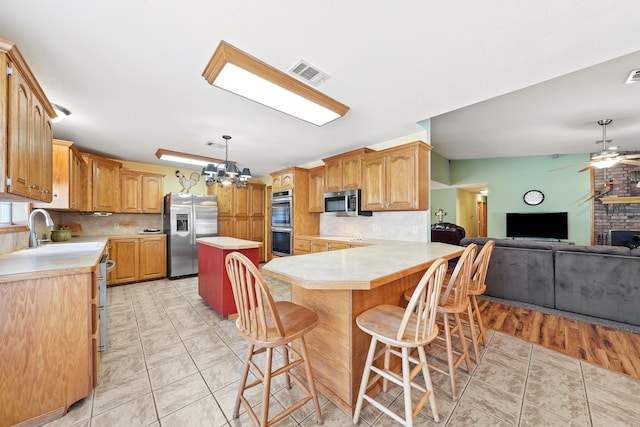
(631, 156)
(586, 168)
(566, 167)
(630, 162)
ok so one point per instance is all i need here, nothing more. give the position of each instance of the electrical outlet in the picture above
(415, 229)
(116, 226)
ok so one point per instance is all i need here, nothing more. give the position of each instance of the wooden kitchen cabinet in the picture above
(344, 171)
(241, 212)
(396, 178)
(141, 192)
(68, 178)
(47, 323)
(25, 131)
(283, 180)
(316, 189)
(137, 258)
(103, 183)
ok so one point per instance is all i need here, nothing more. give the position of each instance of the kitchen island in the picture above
(339, 286)
(213, 283)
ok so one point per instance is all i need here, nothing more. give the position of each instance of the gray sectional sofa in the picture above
(598, 281)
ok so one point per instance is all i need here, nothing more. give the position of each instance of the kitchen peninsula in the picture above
(339, 286)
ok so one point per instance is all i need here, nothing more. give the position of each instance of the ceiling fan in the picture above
(608, 157)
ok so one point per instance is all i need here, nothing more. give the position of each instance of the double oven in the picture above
(282, 223)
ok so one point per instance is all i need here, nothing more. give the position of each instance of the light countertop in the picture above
(50, 259)
(228, 243)
(365, 267)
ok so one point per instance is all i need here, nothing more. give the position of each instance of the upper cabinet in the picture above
(316, 189)
(344, 171)
(141, 192)
(103, 183)
(396, 179)
(283, 180)
(68, 178)
(25, 130)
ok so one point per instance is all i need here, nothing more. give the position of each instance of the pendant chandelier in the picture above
(226, 173)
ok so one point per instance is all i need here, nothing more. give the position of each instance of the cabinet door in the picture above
(130, 192)
(105, 186)
(152, 193)
(225, 226)
(316, 189)
(352, 172)
(373, 188)
(334, 246)
(401, 180)
(77, 184)
(225, 195)
(256, 229)
(301, 246)
(18, 138)
(333, 175)
(241, 226)
(125, 253)
(242, 201)
(257, 192)
(47, 162)
(287, 181)
(153, 258)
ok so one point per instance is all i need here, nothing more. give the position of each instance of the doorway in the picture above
(481, 210)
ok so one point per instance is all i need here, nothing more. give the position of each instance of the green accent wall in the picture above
(509, 178)
(444, 199)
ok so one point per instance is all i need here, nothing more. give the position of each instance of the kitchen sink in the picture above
(65, 247)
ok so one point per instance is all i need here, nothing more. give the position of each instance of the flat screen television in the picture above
(548, 225)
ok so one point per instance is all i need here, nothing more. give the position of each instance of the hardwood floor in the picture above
(609, 348)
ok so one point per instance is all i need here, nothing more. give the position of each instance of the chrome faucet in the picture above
(34, 241)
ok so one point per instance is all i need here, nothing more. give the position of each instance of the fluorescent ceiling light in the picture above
(232, 69)
(190, 159)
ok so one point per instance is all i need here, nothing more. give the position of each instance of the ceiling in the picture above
(130, 71)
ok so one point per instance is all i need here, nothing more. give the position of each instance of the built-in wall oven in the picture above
(282, 223)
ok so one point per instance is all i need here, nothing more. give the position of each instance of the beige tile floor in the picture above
(172, 361)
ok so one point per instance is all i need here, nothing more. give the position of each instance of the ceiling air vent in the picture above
(634, 77)
(308, 73)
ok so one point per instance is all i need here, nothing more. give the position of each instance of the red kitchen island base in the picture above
(213, 284)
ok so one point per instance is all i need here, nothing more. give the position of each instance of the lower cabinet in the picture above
(302, 245)
(138, 258)
(47, 345)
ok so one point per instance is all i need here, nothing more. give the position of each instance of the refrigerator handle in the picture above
(193, 224)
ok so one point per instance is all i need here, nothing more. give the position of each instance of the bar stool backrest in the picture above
(455, 294)
(480, 266)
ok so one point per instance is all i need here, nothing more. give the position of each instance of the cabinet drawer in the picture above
(303, 245)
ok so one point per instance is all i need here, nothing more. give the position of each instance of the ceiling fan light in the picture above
(606, 163)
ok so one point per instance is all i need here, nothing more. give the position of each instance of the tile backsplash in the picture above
(113, 225)
(409, 226)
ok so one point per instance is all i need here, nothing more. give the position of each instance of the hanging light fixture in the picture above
(226, 172)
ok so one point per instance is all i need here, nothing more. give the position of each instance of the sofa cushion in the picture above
(597, 249)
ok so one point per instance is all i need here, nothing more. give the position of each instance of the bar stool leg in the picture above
(285, 355)
(463, 342)
(365, 379)
(266, 384)
(429, 385)
(474, 335)
(476, 310)
(406, 382)
(450, 362)
(243, 381)
(312, 384)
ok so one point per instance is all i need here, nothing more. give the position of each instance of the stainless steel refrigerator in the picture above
(187, 217)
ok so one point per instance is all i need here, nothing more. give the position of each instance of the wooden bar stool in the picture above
(401, 330)
(478, 287)
(267, 324)
(454, 300)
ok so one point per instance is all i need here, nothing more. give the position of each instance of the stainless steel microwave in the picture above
(344, 203)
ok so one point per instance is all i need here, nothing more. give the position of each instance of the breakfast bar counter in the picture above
(339, 286)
